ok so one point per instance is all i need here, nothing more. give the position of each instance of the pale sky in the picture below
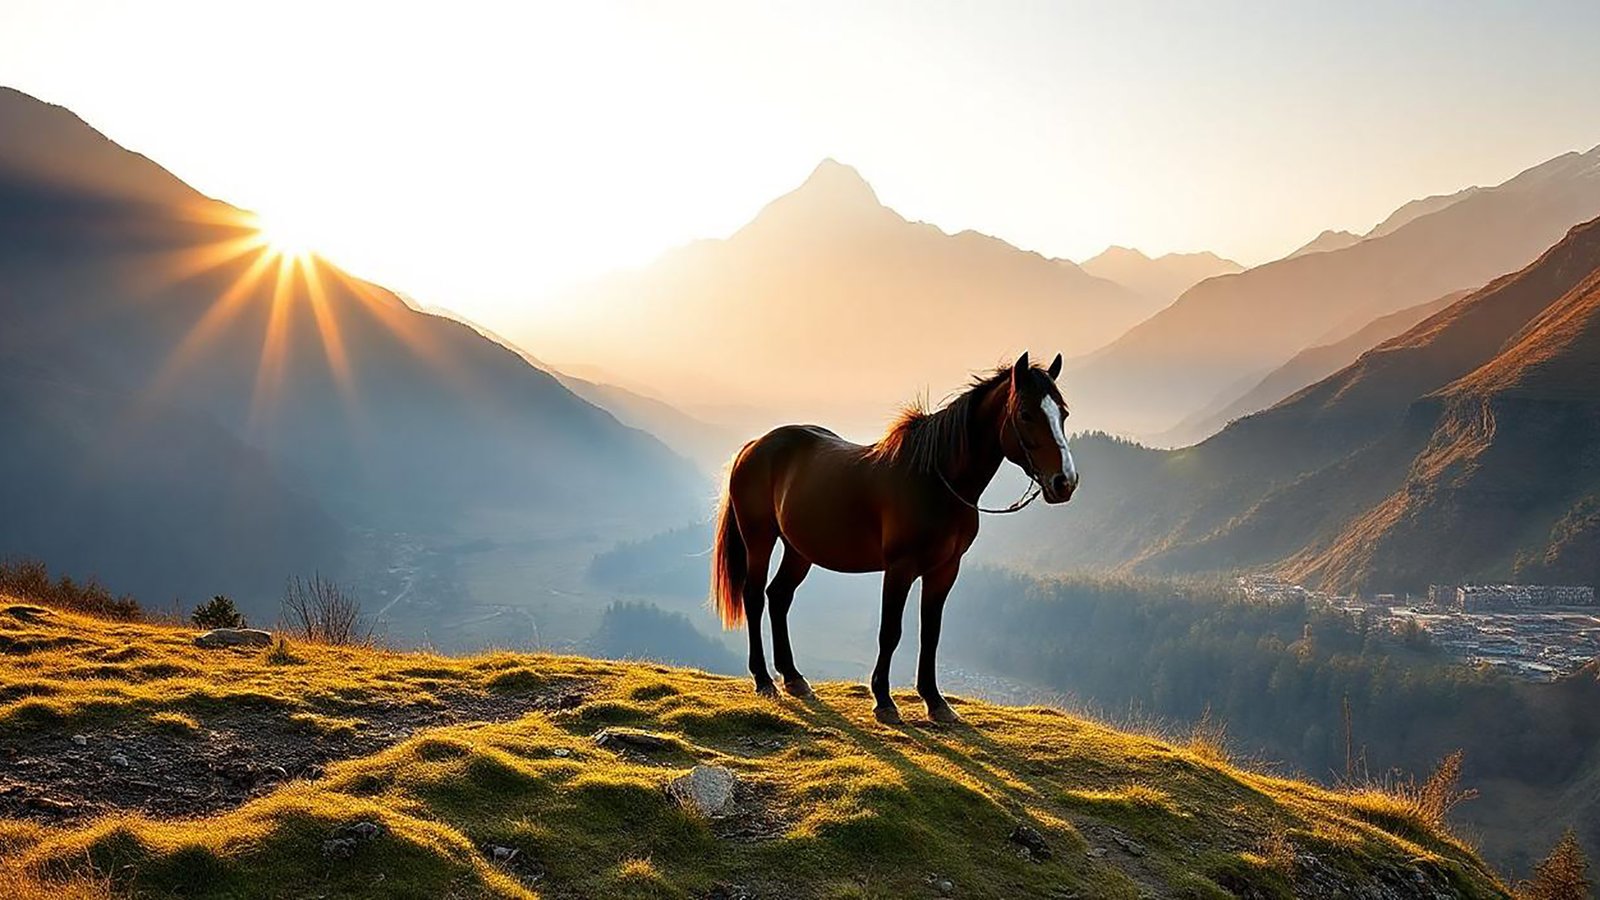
(479, 156)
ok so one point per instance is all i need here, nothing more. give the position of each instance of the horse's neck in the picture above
(973, 473)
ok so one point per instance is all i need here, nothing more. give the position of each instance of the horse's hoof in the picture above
(888, 715)
(943, 714)
(766, 689)
(798, 687)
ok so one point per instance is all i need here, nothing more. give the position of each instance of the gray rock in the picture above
(27, 612)
(631, 739)
(361, 831)
(707, 790)
(117, 759)
(80, 740)
(218, 638)
(503, 854)
(944, 886)
(1128, 844)
(1030, 838)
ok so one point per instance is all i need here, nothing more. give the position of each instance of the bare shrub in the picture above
(1427, 804)
(1209, 738)
(1441, 792)
(321, 611)
(29, 580)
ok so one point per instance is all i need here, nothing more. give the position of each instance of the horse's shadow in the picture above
(1007, 786)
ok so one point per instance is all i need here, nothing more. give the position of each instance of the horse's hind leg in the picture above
(780, 594)
(897, 581)
(758, 543)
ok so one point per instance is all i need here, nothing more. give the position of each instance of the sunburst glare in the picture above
(283, 236)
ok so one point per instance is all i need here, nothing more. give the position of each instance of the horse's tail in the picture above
(728, 563)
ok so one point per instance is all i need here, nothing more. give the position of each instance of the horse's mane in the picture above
(927, 440)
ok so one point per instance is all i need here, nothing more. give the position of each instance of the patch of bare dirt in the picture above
(68, 773)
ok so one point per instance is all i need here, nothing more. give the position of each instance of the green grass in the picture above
(847, 807)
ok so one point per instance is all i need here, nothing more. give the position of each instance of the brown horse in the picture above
(905, 506)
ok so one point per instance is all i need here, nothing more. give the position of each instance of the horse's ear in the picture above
(1055, 367)
(1017, 370)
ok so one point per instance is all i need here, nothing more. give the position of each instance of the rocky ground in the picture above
(74, 771)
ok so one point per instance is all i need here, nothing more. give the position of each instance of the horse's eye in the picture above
(1025, 416)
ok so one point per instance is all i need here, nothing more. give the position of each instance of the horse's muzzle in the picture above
(1060, 489)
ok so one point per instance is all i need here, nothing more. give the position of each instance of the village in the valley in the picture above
(1532, 631)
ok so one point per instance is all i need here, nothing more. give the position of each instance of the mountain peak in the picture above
(1118, 253)
(834, 181)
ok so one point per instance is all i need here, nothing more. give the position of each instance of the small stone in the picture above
(1128, 845)
(630, 738)
(27, 612)
(50, 804)
(218, 638)
(503, 854)
(705, 789)
(1030, 838)
(1097, 852)
(117, 759)
(944, 886)
(80, 740)
(364, 831)
(562, 752)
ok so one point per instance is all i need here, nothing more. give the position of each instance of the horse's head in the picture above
(1034, 435)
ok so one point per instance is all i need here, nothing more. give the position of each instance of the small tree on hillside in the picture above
(1564, 874)
(218, 612)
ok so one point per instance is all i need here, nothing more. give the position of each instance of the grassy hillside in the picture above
(136, 763)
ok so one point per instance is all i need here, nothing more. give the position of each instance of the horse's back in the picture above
(818, 490)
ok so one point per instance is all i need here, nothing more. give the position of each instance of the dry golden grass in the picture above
(847, 807)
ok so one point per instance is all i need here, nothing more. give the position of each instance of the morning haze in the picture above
(433, 444)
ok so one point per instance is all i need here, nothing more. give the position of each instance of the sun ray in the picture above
(217, 316)
(327, 321)
(275, 345)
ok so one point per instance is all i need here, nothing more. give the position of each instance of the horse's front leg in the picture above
(935, 589)
(896, 585)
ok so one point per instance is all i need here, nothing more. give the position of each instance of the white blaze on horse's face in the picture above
(1054, 415)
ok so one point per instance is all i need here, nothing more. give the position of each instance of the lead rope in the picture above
(1028, 496)
(1031, 495)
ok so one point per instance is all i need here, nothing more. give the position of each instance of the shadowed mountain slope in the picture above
(1460, 449)
(1224, 329)
(115, 277)
(830, 305)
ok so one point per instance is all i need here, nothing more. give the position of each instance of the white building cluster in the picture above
(1533, 631)
(1485, 597)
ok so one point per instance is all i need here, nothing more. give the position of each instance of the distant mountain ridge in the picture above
(1160, 279)
(1307, 367)
(1223, 331)
(829, 305)
(1326, 241)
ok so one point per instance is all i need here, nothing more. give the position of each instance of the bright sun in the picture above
(283, 237)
